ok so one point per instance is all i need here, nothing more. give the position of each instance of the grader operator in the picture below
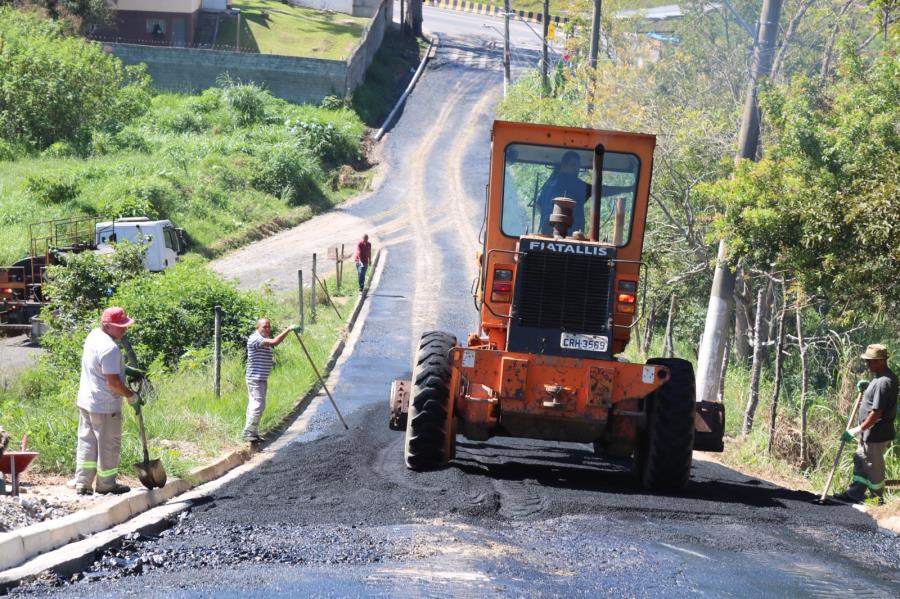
(558, 294)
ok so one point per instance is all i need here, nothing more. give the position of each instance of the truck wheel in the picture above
(429, 423)
(663, 458)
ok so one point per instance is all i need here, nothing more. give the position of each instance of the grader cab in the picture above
(559, 293)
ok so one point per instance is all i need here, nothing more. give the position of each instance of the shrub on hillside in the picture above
(78, 289)
(175, 310)
(57, 86)
(246, 101)
(54, 188)
(289, 171)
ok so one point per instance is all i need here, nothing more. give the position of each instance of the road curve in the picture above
(339, 515)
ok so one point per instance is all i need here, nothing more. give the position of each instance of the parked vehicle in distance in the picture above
(21, 284)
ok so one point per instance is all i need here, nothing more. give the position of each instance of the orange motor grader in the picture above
(558, 294)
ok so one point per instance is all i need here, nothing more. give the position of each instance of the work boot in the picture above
(116, 489)
(83, 490)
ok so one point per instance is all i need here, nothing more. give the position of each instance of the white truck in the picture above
(22, 284)
(164, 242)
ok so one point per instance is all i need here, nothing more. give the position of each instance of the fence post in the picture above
(300, 291)
(337, 270)
(342, 264)
(217, 381)
(312, 297)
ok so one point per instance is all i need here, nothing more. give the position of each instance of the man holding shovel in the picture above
(259, 366)
(100, 394)
(875, 431)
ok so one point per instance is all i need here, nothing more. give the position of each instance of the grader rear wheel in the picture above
(429, 430)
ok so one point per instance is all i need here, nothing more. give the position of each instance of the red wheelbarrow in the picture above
(15, 463)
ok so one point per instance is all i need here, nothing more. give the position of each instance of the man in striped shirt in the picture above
(259, 366)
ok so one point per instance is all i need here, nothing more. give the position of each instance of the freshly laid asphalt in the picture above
(338, 514)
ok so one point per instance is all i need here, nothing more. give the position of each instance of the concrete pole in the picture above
(546, 23)
(595, 33)
(505, 47)
(715, 333)
(237, 37)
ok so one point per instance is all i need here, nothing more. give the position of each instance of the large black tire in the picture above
(664, 454)
(429, 427)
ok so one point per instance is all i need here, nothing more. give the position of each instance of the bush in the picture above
(327, 141)
(77, 290)
(147, 196)
(247, 102)
(60, 149)
(289, 171)
(175, 310)
(56, 86)
(53, 188)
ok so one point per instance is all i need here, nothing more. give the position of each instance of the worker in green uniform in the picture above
(875, 430)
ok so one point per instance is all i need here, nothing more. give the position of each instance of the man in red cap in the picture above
(100, 396)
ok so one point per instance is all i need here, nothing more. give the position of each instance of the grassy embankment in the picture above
(751, 453)
(186, 423)
(271, 27)
(219, 164)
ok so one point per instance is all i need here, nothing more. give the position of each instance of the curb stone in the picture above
(74, 539)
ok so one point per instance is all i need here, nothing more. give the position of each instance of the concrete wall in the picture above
(300, 80)
(361, 59)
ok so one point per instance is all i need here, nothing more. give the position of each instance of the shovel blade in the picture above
(152, 474)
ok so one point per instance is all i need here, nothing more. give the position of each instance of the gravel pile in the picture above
(16, 512)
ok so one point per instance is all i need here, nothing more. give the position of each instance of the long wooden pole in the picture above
(321, 380)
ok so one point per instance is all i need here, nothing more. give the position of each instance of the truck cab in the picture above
(165, 243)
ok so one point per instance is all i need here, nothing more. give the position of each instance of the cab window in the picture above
(534, 175)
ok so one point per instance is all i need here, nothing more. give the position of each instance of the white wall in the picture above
(214, 5)
(179, 6)
(344, 6)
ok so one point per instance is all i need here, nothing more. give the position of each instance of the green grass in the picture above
(219, 164)
(186, 424)
(270, 27)
(390, 72)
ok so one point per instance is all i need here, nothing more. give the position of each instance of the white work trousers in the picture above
(256, 405)
(97, 453)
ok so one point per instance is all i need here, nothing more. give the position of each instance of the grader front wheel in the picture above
(429, 430)
(663, 458)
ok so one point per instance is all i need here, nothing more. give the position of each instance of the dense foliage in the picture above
(812, 229)
(55, 87)
(216, 164)
(824, 204)
(175, 310)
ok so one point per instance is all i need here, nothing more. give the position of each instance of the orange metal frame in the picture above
(551, 397)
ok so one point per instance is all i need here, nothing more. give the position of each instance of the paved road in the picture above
(337, 514)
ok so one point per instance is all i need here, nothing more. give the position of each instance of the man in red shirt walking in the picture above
(363, 253)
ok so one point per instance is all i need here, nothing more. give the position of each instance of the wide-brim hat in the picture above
(116, 317)
(876, 351)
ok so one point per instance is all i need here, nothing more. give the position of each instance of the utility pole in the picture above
(546, 23)
(414, 17)
(505, 47)
(595, 33)
(712, 345)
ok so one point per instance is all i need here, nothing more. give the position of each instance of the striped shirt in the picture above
(259, 358)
